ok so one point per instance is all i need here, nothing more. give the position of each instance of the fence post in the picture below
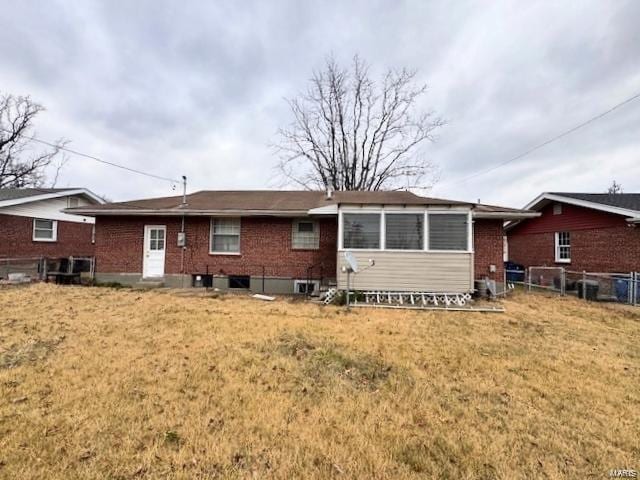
(584, 284)
(563, 281)
(528, 276)
(635, 289)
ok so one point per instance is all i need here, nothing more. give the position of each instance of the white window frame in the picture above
(395, 210)
(316, 284)
(557, 248)
(211, 233)
(54, 230)
(316, 233)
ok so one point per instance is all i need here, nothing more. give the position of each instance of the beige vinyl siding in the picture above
(410, 271)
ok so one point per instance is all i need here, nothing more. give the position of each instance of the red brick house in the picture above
(33, 224)
(581, 231)
(294, 241)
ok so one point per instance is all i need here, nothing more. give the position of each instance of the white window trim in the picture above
(557, 248)
(213, 252)
(394, 210)
(316, 231)
(54, 227)
(298, 282)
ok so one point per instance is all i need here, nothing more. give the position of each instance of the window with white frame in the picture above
(563, 247)
(448, 231)
(361, 230)
(45, 230)
(306, 235)
(306, 287)
(225, 235)
(404, 231)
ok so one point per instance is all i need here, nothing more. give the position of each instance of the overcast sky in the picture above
(197, 88)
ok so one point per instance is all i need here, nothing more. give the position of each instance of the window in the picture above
(239, 281)
(361, 230)
(306, 235)
(557, 209)
(563, 247)
(45, 230)
(305, 287)
(404, 231)
(448, 231)
(225, 236)
(156, 239)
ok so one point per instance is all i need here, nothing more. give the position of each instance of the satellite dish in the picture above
(351, 261)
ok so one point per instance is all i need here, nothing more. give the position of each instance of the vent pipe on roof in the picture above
(329, 193)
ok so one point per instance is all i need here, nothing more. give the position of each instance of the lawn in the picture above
(106, 383)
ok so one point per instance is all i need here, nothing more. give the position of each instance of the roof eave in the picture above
(507, 215)
(186, 212)
(546, 196)
(48, 196)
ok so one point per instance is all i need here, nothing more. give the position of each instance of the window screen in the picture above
(448, 231)
(361, 230)
(306, 235)
(225, 235)
(404, 231)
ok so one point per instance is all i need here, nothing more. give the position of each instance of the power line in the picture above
(547, 142)
(75, 152)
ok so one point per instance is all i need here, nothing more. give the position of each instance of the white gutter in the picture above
(633, 220)
(506, 215)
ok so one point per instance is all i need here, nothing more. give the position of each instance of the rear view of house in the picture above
(580, 231)
(294, 241)
(33, 224)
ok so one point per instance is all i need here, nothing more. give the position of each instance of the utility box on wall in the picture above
(182, 239)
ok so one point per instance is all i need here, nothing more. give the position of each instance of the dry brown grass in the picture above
(101, 383)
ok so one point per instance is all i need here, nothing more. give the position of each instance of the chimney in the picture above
(329, 193)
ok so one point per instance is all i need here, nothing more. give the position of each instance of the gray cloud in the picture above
(197, 87)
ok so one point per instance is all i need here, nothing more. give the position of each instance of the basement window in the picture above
(45, 230)
(305, 287)
(306, 235)
(240, 281)
(563, 247)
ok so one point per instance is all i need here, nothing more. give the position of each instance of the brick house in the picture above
(581, 231)
(33, 224)
(294, 241)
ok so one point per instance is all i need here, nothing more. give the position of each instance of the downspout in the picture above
(184, 239)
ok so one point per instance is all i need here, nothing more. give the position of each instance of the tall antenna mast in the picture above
(184, 189)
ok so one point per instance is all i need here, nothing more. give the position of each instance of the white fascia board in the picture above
(47, 196)
(633, 220)
(580, 203)
(326, 210)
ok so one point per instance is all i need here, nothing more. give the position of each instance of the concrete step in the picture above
(148, 284)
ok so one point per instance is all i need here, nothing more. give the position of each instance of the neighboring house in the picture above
(33, 224)
(294, 241)
(594, 232)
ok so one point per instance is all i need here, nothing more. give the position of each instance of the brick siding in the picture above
(600, 241)
(488, 249)
(265, 246)
(16, 239)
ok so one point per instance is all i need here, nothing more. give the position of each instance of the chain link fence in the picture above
(593, 286)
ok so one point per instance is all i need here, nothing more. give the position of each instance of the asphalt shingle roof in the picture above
(630, 201)
(16, 193)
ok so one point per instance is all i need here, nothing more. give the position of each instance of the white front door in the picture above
(154, 246)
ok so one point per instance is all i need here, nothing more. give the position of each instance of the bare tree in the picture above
(21, 164)
(351, 133)
(615, 188)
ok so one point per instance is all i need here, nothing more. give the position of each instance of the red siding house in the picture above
(33, 224)
(582, 231)
(295, 241)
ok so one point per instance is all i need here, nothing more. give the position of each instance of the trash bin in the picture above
(590, 287)
(621, 286)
